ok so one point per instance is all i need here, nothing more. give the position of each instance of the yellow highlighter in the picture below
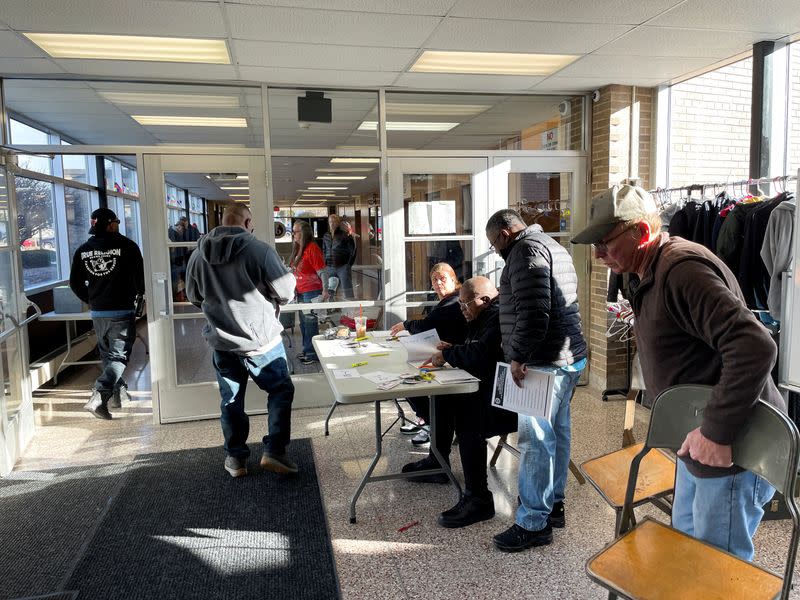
(359, 364)
(379, 354)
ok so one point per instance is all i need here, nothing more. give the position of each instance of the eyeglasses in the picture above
(466, 304)
(494, 241)
(603, 246)
(117, 221)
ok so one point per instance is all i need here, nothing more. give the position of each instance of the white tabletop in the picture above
(359, 390)
(54, 316)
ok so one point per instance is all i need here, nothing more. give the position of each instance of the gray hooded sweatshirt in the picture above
(239, 282)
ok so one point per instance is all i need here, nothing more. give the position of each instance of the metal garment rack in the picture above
(782, 180)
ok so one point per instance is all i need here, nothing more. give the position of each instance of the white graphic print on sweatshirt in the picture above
(101, 262)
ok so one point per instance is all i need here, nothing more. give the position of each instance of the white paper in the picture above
(446, 376)
(443, 216)
(534, 398)
(345, 374)
(422, 346)
(418, 219)
(381, 377)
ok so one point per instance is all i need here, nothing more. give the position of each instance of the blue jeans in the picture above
(270, 371)
(115, 337)
(309, 325)
(544, 454)
(723, 511)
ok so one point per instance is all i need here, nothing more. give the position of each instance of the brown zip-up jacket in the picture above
(692, 326)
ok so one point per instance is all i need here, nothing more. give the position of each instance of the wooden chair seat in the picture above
(609, 475)
(655, 562)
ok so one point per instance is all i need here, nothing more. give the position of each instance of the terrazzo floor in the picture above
(374, 558)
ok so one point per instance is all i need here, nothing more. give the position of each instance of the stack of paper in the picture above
(420, 347)
(447, 376)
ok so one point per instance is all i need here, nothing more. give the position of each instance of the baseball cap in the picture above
(100, 220)
(619, 204)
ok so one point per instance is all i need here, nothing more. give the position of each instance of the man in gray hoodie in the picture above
(239, 282)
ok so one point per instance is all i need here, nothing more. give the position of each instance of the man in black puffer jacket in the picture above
(541, 329)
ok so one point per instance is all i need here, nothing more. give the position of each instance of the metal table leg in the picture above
(435, 451)
(373, 464)
(330, 414)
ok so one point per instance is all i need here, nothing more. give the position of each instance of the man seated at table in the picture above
(475, 417)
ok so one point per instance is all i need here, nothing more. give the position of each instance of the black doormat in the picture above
(182, 528)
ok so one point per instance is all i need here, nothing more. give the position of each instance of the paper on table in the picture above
(420, 347)
(533, 399)
(453, 376)
(345, 374)
(380, 377)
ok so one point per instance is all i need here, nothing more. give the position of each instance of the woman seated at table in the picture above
(448, 321)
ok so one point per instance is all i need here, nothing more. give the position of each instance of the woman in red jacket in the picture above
(309, 269)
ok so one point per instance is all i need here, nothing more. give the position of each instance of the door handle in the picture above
(162, 294)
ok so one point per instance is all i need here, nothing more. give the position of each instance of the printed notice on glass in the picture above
(534, 398)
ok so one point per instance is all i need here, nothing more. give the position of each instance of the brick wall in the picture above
(611, 153)
(710, 126)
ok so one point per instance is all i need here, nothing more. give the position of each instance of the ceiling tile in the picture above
(13, 45)
(29, 66)
(449, 81)
(522, 36)
(324, 27)
(599, 11)
(614, 67)
(317, 77)
(780, 17)
(668, 41)
(150, 70)
(321, 56)
(143, 17)
(587, 84)
(400, 7)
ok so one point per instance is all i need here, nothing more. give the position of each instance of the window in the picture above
(75, 167)
(129, 183)
(22, 134)
(79, 212)
(37, 231)
(131, 220)
(709, 133)
(793, 130)
(109, 174)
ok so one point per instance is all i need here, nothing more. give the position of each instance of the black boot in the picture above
(517, 538)
(423, 465)
(98, 405)
(557, 518)
(470, 509)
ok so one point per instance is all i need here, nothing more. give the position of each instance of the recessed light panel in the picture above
(182, 100)
(132, 47)
(176, 121)
(491, 63)
(408, 126)
(356, 160)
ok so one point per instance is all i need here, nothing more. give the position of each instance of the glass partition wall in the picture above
(404, 203)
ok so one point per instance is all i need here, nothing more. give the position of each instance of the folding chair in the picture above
(654, 561)
(608, 474)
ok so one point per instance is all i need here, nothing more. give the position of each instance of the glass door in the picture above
(16, 405)
(436, 211)
(185, 197)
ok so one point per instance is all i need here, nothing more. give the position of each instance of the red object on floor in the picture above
(408, 526)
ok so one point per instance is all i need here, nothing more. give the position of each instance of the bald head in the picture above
(479, 287)
(237, 215)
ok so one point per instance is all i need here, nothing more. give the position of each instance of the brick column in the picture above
(620, 148)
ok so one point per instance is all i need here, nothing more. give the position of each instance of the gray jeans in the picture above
(115, 337)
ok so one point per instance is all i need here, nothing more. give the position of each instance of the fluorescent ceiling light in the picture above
(317, 195)
(346, 169)
(327, 188)
(183, 100)
(421, 109)
(339, 177)
(239, 195)
(356, 160)
(242, 177)
(227, 187)
(132, 47)
(491, 63)
(408, 126)
(175, 121)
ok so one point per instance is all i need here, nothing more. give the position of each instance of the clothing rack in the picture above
(783, 180)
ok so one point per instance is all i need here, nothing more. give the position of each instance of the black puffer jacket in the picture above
(539, 316)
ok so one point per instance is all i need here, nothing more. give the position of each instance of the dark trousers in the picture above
(115, 337)
(462, 414)
(270, 372)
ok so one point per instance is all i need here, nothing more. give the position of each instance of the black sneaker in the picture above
(557, 518)
(98, 405)
(423, 465)
(517, 538)
(236, 466)
(278, 463)
(469, 510)
(309, 360)
(300, 356)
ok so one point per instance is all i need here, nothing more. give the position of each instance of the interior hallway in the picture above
(374, 560)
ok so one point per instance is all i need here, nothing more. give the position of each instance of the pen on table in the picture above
(379, 354)
(359, 364)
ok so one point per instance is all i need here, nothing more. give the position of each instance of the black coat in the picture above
(445, 318)
(539, 316)
(479, 355)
